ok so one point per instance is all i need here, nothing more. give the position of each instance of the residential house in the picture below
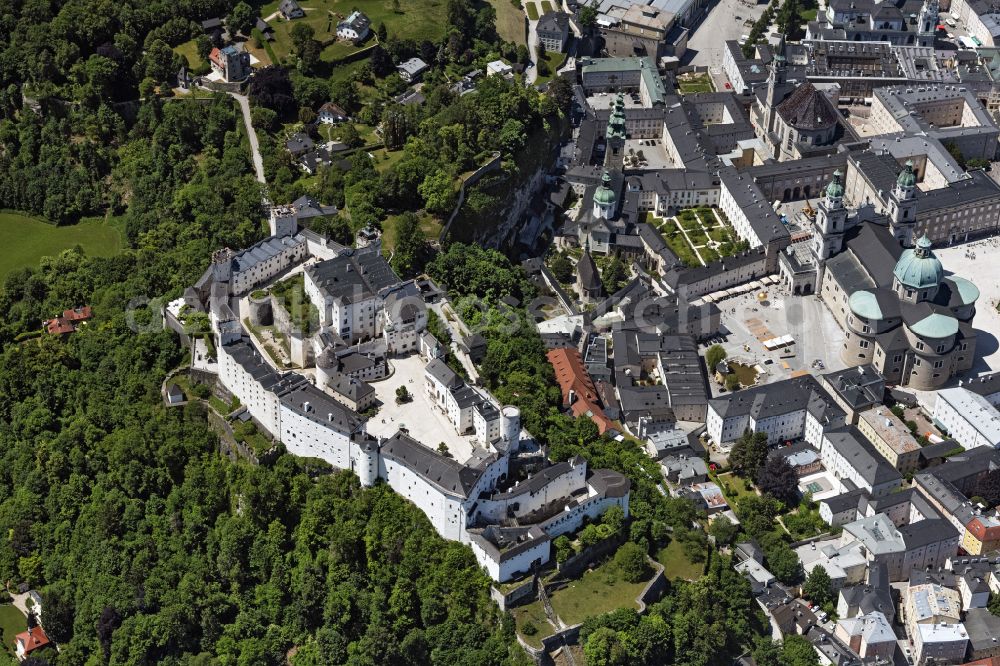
(28, 641)
(412, 69)
(869, 635)
(553, 31)
(968, 417)
(299, 144)
(266, 31)
(330, 113)
(499, 68)
(792, 409)
(982, 535)
(354, 28)
(290, 9)
(848, 455)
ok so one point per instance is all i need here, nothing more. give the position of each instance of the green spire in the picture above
(616, 123)
(906, 177)
(835, 189)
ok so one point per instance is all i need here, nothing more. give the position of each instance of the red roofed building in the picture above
(59, 326)
(78, 314)
(28, 641)
(68, 321)
(578, 391)
(982, 535)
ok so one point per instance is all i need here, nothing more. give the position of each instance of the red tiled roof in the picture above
(59, 326)
(78, 314)
(573, 377)
(981, 531)
(32, 639)
(214, 56)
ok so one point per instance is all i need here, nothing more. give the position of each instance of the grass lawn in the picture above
(510, 22)
(546, 6)
(745, 373)
(417, 20)
(554, 62)
(535, 614)
(189, 50)
(12, 622)
(385, 159)
(734, 488)
(676, 563)
(679, 245)
(695, 84)
(598, 591)
(24, 240)
(429, 225)
(531, 7)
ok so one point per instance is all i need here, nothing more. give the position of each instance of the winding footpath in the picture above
(258, 161)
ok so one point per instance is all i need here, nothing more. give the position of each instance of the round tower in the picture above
(510, 427)
(260, 312)
(366, 463)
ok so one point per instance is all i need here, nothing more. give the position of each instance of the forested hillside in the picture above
(147, 546)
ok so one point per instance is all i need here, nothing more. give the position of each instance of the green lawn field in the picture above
(12, 622)
(416, 19)
(510, 22)
(24, 240)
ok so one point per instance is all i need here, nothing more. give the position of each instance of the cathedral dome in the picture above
(918, 268)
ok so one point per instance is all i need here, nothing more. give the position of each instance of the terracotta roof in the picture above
(78, 314)
(59, 326)
(807, 109)
(573, 378)
(214, 56)
(32, 639)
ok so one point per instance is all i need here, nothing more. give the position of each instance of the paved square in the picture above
(426, 423)
(817, 334)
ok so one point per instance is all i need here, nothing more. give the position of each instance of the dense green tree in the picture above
(723, 530)
(411, 251)
(630, 560)
(749, 454)
(778, 479)
(713, 356)
(241, 19)
(817, 587)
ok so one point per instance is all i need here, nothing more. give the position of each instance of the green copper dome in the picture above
(936, 326)
(968, 292)
(906, 177)
(919, 268)
(865, 304)
(835, 189)
(604, 194)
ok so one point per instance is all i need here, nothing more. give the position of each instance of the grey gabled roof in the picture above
(353, 276)
(443, 472)
(440, 371)
(590, 278)
(312, 403)
(862, 456)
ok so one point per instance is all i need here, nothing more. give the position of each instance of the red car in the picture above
(728, 86)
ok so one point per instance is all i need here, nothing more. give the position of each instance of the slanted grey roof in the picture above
(590, 278)
(862, 456)
(443, 472)
(312, 403)
(440, 371)
(352, 277)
